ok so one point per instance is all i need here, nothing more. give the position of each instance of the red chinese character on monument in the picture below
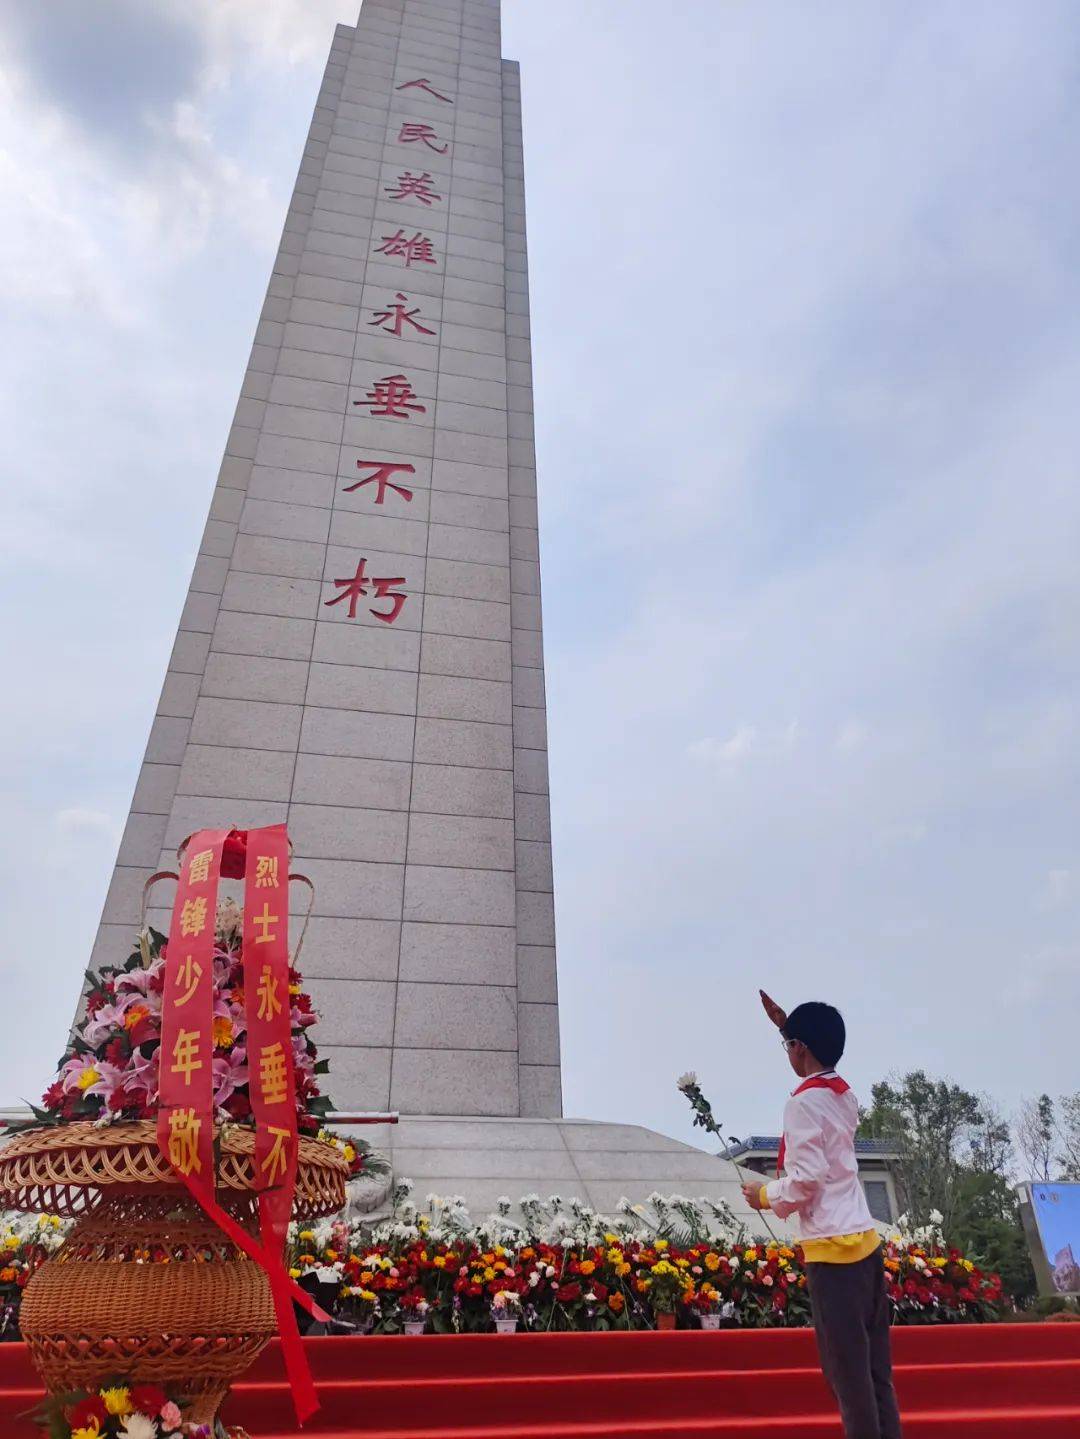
(412, 133)
(352, 590)
(396, 315)
(419, 248)
(419, 186)
(424, 85)
(383, 470)
(393, 397)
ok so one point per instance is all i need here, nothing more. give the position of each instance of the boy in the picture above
(842, 1248)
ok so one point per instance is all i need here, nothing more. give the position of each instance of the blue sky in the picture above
(804, 286)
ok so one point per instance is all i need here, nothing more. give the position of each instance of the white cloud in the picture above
(747, 742)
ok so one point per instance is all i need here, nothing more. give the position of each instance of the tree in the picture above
(989, 1140)
(1068, 1136)
(955, 1155)
(931, 1121)
(1036, 1137)
(987, 1226)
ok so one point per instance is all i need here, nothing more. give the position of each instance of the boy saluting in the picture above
(842, 1248)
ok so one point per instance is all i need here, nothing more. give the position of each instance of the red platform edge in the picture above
(1007, 1381)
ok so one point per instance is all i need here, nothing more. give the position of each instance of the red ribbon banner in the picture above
(272, 1082)
(186, 1086)
(185, 1127)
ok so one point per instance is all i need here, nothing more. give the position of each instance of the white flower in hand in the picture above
(687, 1081)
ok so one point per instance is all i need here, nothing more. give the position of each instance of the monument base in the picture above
(600, 1163)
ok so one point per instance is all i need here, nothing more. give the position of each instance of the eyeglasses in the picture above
(788, 1043)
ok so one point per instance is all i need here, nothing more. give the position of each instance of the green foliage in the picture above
(987, 1227)
(956, 1152)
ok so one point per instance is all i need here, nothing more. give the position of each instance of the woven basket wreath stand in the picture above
(146, 1285)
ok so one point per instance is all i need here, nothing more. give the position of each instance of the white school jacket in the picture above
(821, 1178)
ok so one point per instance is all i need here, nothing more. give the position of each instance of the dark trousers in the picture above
(851, 1321)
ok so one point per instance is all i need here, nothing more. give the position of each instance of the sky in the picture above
(807, 350)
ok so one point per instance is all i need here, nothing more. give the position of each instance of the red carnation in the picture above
(53, 1095)
(148, 1399)
(84, 1413)
(568, 1293)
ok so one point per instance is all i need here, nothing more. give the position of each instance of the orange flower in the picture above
(616, 1303)
(135, 1014)
(223, 1031)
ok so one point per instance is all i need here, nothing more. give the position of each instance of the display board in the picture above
(1051, 1217)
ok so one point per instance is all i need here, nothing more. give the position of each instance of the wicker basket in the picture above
(101, 1307)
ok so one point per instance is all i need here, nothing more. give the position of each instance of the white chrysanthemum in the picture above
(138, 1426)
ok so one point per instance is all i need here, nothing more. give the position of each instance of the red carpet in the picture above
(968, 1382)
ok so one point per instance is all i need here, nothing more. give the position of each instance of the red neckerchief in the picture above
(816, 1081)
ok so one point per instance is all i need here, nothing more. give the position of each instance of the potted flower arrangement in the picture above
(413, 1309)
(666, 1285)
(359, 1307)
(506, 1311)
(711, 1307)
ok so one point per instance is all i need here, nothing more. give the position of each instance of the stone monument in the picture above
(360, 653)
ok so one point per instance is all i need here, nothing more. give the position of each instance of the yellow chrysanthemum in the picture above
(89, 1431)
(117, 1401)
(712, 1262)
